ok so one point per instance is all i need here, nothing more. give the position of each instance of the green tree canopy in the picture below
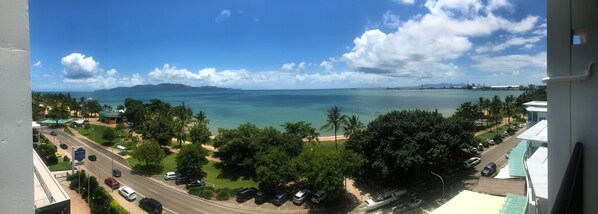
(199, 134)
(58, 112)
(182, 115)
(158, 124)
(201, 117)
(149, 152)
(109, 135)
(134, 113)
(352, 125)
(191, 159)
(275, 169)
(335, 120)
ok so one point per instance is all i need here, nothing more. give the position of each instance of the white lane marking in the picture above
(152, 190)
(199, 210)
(170, 210)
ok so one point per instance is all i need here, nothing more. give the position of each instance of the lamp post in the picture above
(441, 180)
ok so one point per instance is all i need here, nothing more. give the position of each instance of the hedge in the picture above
(223, 196)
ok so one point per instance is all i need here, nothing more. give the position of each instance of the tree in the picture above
(120, 107)
(334, 121)
(158, 126)
(47, 152)
(58, 112)
(149, 152)
(182, 117)
(495, 109)
(201, 117)
(467, 111)
(275, 169)
(509, 104)
(352, 125)
(109, 135)
(93, 107)
(134, 113)
(302, 130)
(402, 145)
(199, 134)
(191, 159)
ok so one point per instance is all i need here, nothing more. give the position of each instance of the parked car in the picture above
(491, 142)
(246, 194)
(262, 196)
(116, 173)
(473, 150)
(112, 183)
(521, 125)
(128, 193)
(504, 134)
(415, 203)
(195, 183)
(53, 133)
(280, 198)
(301, 196)
(481, 147)
(182, 180)
(384, 199)
(507, 155)
(489, 169)
(64, 146)
(515, 128)
(150, 205)
(486, 144)
(171, 176)
(319, 197)
(471, 162)
(92, 157)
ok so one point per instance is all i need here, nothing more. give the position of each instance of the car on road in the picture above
(64, 146)
(246, 194)
(489, 169)
(53, 133)
(182, 180)
(415, 203)
(472, 162)
(112, 183)
(384, 199)
(171, 176)
(507, 155)
(280, 198)
(319, 197)
(150, 205)
(481, 147)
(262, 196)
(491, 142)
(127, 193)
(195, 183)
(92, 157)
(301, 196)
(116, 172)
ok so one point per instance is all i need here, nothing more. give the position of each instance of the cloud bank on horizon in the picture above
(488, 42)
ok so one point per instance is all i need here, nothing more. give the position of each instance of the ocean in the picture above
(229, 109)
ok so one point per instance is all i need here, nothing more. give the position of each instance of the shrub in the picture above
(120, 126)
(65, 158)
(207, 194)
(115, 207)
(195, 190)
(497, 139)
(223, 196)
(52, 159)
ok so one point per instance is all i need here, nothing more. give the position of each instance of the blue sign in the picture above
(79, 154)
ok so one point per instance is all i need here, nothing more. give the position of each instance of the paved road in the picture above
(497, 153)
(173, 200)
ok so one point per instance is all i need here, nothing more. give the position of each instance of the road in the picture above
(173, 200)
(497, 153)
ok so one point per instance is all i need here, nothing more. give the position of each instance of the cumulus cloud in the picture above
(77, 66)
(287, 66)
(223, 16)
(390, 20)
(510, 63)
(327, 65)
(427, 45)
(516, 41)
(38, 64)
(404, 1)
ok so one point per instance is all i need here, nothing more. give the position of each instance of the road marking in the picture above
(170, 210)
(152, 190)
(199, 210)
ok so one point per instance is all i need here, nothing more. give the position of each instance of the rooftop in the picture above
(46, 189)
(472, 202)
(537, 103)
(538, 132)
(537, 166)
(516, 158)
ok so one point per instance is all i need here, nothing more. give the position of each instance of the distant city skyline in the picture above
(85, 46)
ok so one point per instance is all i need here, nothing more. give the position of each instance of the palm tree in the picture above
(509, 105)
(352, 125)
(495, 108)
(334, 121)
(202, 118)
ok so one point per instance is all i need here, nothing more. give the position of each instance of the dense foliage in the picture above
(199, 134)
(149, 152)
(109, 135)
(400, 144)
(191, 159)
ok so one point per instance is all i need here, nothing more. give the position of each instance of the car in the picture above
(471, 162)
(415, 203)
(491, 142)
(515, 127)
(486, 144)
(246, 194)
(280, 198)
(171, 176)
(473, 150)
(319, 197)
(182, 180)
(262, 196)
(92, 157)
(481, 147)
(112, 183)
(127, 193)
(150, 205)
(507, 155)
(504, 134)
(301, 196)
(521, 125)
(53, 133)
(64, 146)
(384, 199)
(489, 169)
(195, 183)
(116, 173)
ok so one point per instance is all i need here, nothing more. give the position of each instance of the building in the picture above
(49, 197)
(536, 112)
(110, 117)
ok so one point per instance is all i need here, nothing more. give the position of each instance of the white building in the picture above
(536, 112)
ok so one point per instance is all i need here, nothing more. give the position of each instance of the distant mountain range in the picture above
(164, 87)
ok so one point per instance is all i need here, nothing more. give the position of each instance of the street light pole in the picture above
(441, 180)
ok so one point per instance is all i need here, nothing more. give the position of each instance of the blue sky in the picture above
(88, 45)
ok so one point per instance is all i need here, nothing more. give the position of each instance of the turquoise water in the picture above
(228, 109)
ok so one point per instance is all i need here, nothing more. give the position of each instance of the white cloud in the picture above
(516, 41)
(111, 72)
(327, 65)
(510, 63)
(301, 66)
(390, 20)
(223, 16)
(426, 46)
(288, 66)
(404, 1)
(77, 66)
(38, 64)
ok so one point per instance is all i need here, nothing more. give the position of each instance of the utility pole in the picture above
(441, 180)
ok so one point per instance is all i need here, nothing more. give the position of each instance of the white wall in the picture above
(16, 167)
(573, 106)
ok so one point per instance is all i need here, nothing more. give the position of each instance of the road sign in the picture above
(79, 154)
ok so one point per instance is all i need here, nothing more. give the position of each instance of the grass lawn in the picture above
(224, 180)
(60, 166)
(491, 134)
(95, 133)
(324, 146)
(168, 163)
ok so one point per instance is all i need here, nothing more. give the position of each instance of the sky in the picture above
(310, 44)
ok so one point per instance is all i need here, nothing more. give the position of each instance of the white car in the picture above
(471, 162)
(384, 199)
(128, 193)
(170, 176)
